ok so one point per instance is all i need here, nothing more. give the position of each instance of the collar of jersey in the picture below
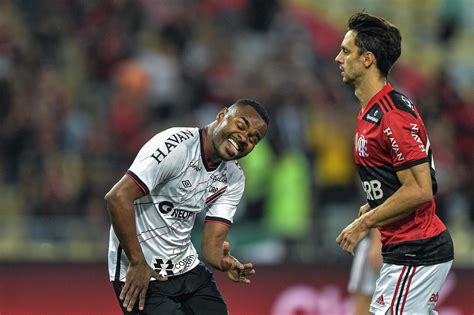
(384, 91)
(207, 165)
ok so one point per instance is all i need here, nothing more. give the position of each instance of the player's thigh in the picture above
(155, 303)
(207, 300)
(408, 289)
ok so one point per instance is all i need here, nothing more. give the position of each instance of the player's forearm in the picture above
(401, 204)
(212, 252)
(122, 217)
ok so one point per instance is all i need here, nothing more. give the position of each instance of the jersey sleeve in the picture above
(148, 171)
(222, 210)
(405, 137)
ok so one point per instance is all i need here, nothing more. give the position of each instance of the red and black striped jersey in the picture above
(390, 137)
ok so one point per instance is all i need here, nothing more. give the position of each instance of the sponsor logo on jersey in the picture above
(222, 178)
(185, 263)
(195, 165)
(393, 142)
(164, 269)
(186, 183)
(170, 144)
(434, 298)
(372, 118)
(416, 137)
(362, 146)
(408, 102)
(213, 189)
(373, 189)
(165, 207)
(380, 300)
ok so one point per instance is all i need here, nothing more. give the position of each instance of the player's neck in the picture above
(210, 153)
(367, 88)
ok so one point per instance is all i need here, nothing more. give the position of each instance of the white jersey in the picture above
(178, 183)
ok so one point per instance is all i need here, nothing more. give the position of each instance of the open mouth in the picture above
(234, 144)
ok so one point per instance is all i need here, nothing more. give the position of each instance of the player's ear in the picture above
(221, 114)
(369, 59)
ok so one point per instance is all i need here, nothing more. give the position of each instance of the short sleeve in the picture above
(149, 169)
(222, 210)
(405, 137)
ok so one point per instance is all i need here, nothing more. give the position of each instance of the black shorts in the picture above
(194, 292)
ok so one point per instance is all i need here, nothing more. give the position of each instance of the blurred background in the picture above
(84, 84)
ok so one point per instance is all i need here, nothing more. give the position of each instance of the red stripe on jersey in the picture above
(216, 195)
(220, 222)
(408, 289)
(136, 182)
(383, 107)
(396, 288)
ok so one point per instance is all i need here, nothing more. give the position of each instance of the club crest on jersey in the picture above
(164, 269)
(361, 146)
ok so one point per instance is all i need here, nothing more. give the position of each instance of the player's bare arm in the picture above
(217, 253)
(122, 214)
(415, 190)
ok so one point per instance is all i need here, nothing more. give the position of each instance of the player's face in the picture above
(350, 60)
(238, 130)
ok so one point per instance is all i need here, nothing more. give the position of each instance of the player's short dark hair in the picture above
(378, 36)
(255, 105)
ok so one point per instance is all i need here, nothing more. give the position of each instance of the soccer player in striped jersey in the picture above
(153, 265)
(395, 164)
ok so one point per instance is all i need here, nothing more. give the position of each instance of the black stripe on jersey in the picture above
(402, 102)
(426, 252)
(374, 115)
(411, 164)
(139, 182)
(387, 101)
(383, 106)
(402, 288)
(218, 219)
(209, 167)
(117, 266)
(386, 104)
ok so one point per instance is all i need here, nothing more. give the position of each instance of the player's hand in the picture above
(364, 209)
(351, 236)
(235, 270)
(136, 284)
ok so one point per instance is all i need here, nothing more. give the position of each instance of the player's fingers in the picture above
(243, 279)
(128, 297)
(339, 239)
(132, 299)
(141, 298)
(124, 290)
(248, 266)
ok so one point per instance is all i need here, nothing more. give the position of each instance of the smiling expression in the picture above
(238, 130)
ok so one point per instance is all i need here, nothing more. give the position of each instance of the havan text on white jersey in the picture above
(178, 183)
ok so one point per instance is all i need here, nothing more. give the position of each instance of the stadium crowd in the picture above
(83, 84)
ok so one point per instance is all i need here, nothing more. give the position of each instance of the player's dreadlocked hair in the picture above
(378, 36)
(255, 105)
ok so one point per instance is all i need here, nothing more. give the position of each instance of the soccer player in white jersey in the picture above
(180, 172)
